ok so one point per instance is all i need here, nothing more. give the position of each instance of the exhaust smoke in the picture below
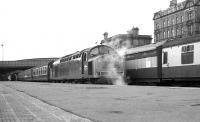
(115, 67)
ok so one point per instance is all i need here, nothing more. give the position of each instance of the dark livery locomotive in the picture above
(89, 65)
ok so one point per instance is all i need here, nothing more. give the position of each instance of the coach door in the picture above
(84, 63)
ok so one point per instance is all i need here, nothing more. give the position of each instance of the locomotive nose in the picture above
(109, 66)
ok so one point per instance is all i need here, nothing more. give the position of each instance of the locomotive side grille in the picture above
(90, 68)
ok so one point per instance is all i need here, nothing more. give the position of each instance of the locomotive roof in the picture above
(78, 52)
(84, 50)
(145, 48)
(181, 41)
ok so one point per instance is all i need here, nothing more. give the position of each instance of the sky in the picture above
(54, 28)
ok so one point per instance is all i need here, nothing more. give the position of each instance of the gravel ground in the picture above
(109, 103)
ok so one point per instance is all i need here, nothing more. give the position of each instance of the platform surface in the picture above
(17, 106)
(103, 103)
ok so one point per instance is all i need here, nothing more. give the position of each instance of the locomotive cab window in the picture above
(94, 52)
(105, 50)
(187, 54)
(101, 51)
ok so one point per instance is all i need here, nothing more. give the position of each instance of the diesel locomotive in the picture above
(98, 64)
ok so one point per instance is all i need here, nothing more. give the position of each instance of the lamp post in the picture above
(2, 51)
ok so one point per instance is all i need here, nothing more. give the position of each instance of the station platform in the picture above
(62, 102)
(16, 106)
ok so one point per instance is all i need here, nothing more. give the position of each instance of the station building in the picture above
(180, 20)
(129, 40)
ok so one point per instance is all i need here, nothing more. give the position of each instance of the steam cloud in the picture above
(116, 62)
(115, 67)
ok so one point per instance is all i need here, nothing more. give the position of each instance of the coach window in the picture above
(187, 54)
(165, 57)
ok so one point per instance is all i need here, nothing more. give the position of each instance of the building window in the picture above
(157, 37)
(163, 34)
(172, 21)
(157, 26)
(182, 19)
(190, 16)
(172, 32)
(168, 33)
(187, 54)
(164, 23)
(189, 29)
(167, 22)
(176, 31)
(165, 57)
(176, 20)
(182, 31)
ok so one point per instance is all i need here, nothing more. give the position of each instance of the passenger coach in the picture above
(144, 63)
(181, 59)
(177, 60)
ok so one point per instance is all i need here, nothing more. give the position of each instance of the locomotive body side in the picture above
(69, 67)
(85, 66)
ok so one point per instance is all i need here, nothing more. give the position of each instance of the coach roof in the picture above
(144, 48)
(181, 41)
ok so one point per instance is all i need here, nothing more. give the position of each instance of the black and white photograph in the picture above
(99, 61)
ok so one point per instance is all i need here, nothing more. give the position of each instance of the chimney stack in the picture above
(136, 31)
(105, 35)
(173, 3)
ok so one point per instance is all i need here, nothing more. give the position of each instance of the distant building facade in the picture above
(130, 40)
(179, 20)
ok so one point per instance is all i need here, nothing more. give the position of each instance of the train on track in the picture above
(165, 62)
(162, 62)
(100, 64)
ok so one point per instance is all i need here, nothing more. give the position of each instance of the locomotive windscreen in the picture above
(101, 50)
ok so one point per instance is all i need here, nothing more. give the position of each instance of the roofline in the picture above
(182, 41)
(36, 59)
